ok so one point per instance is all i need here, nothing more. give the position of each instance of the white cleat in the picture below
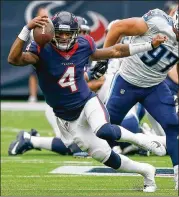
(149, 143)
(149, 179)
(149, 188)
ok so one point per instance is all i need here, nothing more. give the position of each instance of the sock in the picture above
(50, 143)
(128, 165)
(176, 169)
(176, 175)
(74, 148)
(42, 142)
(127, 136)
(114, 161)
(59, 147)
(123, 163)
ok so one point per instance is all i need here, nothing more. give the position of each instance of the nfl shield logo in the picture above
(122, 91)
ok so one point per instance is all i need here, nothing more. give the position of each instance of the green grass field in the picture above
(28, 174)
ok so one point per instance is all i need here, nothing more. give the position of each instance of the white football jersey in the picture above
(150, 68)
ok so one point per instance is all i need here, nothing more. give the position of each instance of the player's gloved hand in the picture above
(99, 69)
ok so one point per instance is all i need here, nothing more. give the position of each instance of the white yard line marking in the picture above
(81, 163)
(73, 175)
(11, 129)
(103, 171)
(84, 189)
(40, 176)
(23, 106)
(13, 158)
(77, 162)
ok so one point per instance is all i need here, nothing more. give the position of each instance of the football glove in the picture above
(99, 69)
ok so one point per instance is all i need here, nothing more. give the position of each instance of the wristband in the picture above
(140, 47)
(24, 34)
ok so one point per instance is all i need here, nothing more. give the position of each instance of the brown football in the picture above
(44, 35)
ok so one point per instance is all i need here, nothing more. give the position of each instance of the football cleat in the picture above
(20, 145)
(149, 179)
(143, 152)
(151, 144)
(34, 132)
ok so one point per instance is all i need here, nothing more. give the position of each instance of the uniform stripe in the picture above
(112, 87)
(90, 42)
(106, 114)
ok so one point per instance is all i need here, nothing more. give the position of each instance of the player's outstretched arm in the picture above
(125, 50)
(125, 27)
(16, 56)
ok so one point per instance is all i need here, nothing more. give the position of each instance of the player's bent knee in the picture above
(109, 132)
(101, 153)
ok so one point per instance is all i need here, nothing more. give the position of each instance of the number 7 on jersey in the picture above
(68, 79)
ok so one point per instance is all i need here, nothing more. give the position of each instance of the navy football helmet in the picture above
(83, 25)
(65, 22)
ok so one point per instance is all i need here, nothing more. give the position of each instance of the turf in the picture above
(28, 174)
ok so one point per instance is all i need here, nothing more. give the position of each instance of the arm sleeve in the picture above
(33, 47)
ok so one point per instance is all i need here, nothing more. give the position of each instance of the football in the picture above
(44, 35)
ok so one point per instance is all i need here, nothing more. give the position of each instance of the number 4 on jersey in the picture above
(68, 79)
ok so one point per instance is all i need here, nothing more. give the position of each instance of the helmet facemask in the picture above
(66, 30)
(67, 43)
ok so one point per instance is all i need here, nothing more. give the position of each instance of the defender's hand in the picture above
(157, 40)
(99, 69)
(38, 21)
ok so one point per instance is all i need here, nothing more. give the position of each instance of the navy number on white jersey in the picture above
(152, 57)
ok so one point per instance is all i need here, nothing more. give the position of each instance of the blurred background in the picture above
(21, 83)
